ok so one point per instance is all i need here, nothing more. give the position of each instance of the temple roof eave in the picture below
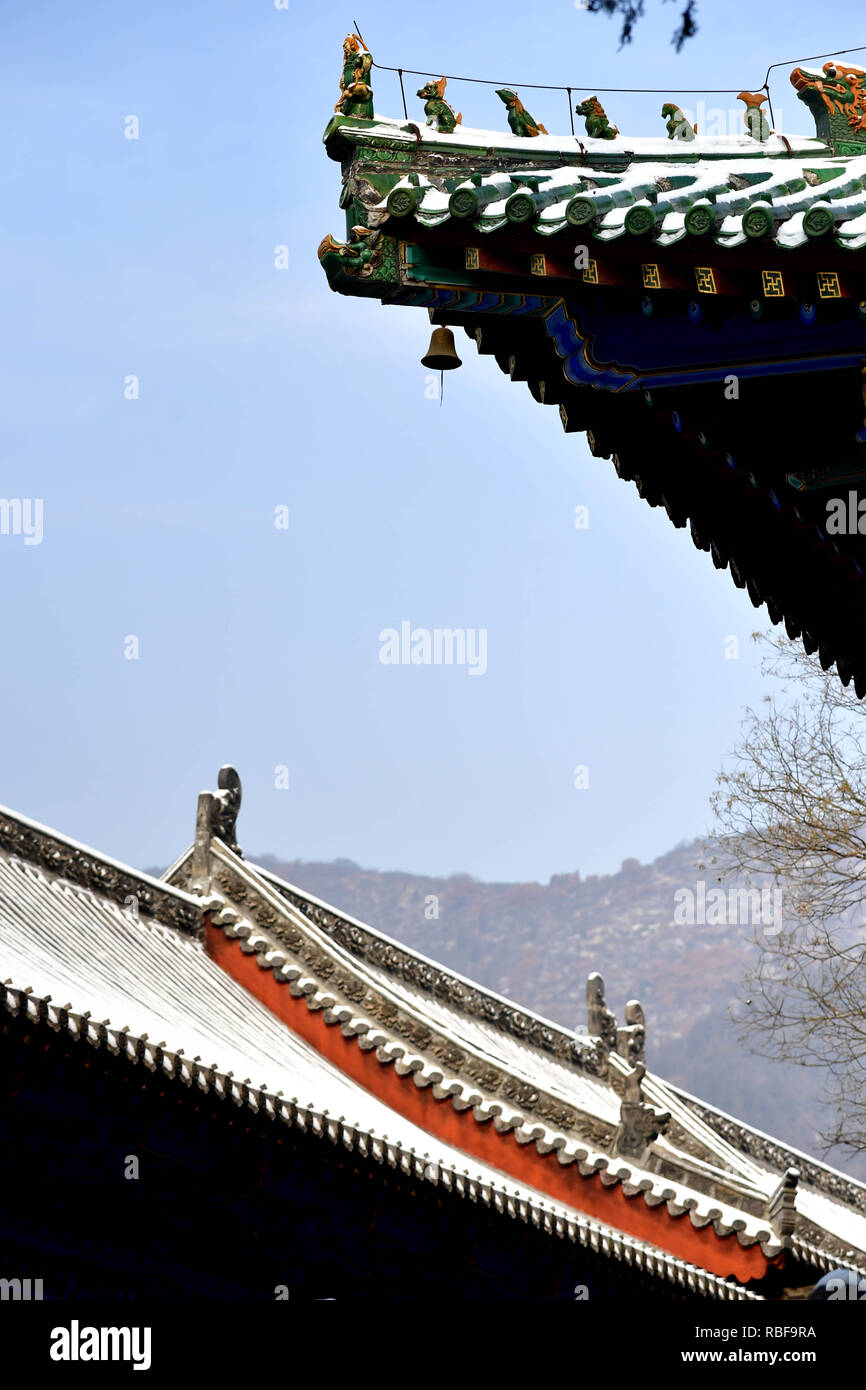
(345, 135)
(683, 1179)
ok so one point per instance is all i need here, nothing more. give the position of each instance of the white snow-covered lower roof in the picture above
(122, 980)
(743, 1173)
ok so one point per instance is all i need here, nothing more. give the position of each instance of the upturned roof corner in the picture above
(693, 303)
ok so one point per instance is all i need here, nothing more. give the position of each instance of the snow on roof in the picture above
(145, 982)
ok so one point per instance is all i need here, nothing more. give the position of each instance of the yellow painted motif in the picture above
(651, 278)
(705, 280)
(590, 273)
(828, 285)
(471, 258)
(774, 285)
(538, 265)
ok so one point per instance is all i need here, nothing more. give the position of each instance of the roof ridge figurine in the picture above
(676, 125)
(356, 94)
(437, 110)
(598, 127)
(360, 255)
(519, 119)
(836, 96)
(640, 1123)
(756, 120)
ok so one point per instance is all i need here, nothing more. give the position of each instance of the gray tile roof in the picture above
(150, 995)
(145, 989)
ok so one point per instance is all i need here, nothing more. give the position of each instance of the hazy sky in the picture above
(259, 388)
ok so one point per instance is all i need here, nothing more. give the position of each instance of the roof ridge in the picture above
(728, 1127)
(655, 1188)
(84, 867)
(300, 898)
(553, 1039)
(740, 1136)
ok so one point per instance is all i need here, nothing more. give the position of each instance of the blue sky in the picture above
(259, 388)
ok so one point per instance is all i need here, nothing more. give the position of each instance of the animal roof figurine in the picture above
(756, 120)
(439, 114)
(676, 125)
(836, 96)
(519, 119)
(598, 127)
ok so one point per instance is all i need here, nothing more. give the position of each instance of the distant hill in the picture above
(537, 943)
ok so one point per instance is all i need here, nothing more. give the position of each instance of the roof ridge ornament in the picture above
(356, 93)
(836, 96)
(639, 1122)
(782, 1205)
(440, 115)
(519, 119)
(756, 120)
(601, 1023)
(226, 807)
(631, 1037)
(598, 127)
(676, 124)
(628, 1041)
(216, 815)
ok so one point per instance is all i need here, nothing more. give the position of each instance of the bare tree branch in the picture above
(792, 805)
(630, 11)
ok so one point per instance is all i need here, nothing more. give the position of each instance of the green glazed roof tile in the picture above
(727, 189)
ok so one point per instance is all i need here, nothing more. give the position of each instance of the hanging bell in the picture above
(441, 354)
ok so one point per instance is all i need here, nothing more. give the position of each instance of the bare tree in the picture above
(792, 804)
(630, 11)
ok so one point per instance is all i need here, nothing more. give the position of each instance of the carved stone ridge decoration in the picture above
(765, 1150)
(599, 1019)
(438, 1045)
(628, 1041)
(782, 1206)
(118, 885)
(587, 1054)
(631, 1038)
(701, 1182)
(639, 1123)
(225, 807)
(841, 1252)
(215, 818)
(234, 887)
(583, 1053)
